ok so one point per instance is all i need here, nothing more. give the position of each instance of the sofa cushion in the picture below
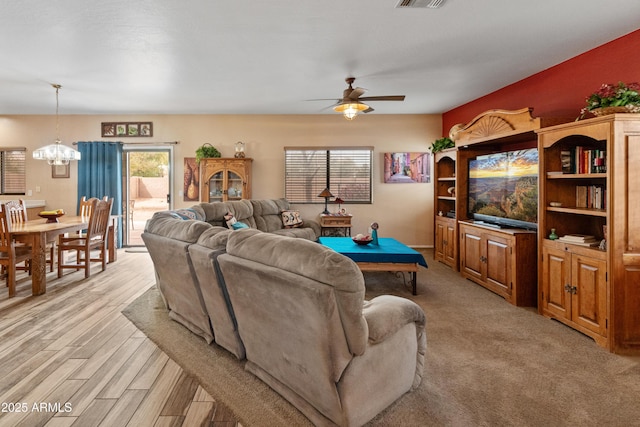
(266, 213)
(164, 224)
(214, 213)
(214, 238)
(304, 233)
(315, 262)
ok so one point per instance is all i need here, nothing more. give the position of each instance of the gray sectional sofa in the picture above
(264, 215)
(293, 311)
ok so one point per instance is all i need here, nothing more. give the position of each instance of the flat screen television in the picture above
(503, 189)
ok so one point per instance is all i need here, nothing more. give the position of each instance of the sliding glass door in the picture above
(147, 183)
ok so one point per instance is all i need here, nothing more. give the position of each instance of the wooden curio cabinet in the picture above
(446, 230)
(225, 179)
(590, 185)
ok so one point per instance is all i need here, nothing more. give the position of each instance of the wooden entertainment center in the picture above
(588, 184)
(500, 258)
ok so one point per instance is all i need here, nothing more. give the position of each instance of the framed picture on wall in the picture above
(126, 129)
(404, 168)
(191, 188)
(60, 171)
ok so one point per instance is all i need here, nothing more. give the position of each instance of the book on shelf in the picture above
(579, 237)
(584, 160)
(565, 157)
(573, 242)
(591, 196)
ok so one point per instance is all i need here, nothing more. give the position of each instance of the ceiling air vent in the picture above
(420, 4)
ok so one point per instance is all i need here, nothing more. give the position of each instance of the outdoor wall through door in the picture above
(147, 188)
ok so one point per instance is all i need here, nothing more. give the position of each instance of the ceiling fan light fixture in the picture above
(56, 153)
(351, 110)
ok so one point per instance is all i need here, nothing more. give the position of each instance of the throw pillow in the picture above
(238, 225)
(291, 219)
(187, 214)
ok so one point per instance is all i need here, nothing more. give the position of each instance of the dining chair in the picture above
(18, 215)
(10, 253)
(95, 238)
(85, 206)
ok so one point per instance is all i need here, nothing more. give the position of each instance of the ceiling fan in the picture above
(351, 103)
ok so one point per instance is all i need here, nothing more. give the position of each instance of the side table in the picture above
(334, 224)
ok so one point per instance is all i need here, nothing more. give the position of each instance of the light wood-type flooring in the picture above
(70, 358)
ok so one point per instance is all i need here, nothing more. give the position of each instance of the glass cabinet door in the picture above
(234, 186)
(216, 187)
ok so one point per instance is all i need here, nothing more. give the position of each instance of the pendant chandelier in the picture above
(56, 153)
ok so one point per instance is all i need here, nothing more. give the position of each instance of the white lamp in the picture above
(56, 154)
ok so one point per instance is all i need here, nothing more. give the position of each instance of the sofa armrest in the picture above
(386, 314)
(314, 225)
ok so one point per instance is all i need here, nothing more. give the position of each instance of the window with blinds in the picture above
(345, 171)
(13, 171)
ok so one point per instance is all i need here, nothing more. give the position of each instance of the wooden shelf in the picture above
(445, 228)
(578, 211)
(576, 175)
(591, 290)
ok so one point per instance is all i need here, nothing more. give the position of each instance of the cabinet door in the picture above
(438, 253)
(589, 302)
(472, 255)
(234, 186)
(497, 259)
(217, 187)
(556, 280)
(450, 244)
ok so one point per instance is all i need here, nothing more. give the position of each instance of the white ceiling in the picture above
(271, 57)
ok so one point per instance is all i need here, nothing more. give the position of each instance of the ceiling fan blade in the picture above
(324, 99)
(357, 93)
(383, 98)
(368, 110)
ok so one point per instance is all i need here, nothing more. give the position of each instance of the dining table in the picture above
(39, 232)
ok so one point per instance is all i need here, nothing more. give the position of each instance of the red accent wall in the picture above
(560, 91)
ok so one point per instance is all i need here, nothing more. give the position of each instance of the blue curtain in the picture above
(100, 174)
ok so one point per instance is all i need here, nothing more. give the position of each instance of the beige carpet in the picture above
(488, 364)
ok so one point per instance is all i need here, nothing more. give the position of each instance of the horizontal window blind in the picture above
(345, 171)
(13, 171)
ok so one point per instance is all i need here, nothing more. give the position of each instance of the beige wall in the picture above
(404, 211)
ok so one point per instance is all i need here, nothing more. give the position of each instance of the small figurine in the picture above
(374, 233)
